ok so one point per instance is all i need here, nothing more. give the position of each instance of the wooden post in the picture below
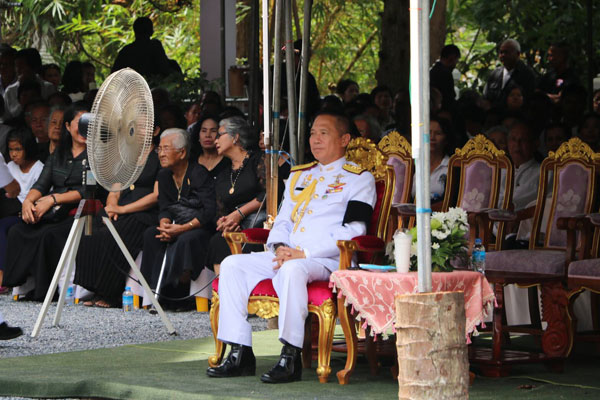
(432, 350)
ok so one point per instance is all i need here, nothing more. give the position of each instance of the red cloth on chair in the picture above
(257, 234)
(318, 291)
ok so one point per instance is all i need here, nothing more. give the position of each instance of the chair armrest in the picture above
(365, 244)
(405, 209)
(235, 240)
(582, 224)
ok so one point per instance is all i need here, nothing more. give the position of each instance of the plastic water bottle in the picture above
(478, 257)
(127, 299)
(70, 296)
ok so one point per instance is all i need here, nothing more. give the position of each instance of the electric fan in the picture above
(119, 137)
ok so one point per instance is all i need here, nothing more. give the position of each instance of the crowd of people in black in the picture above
(206, 175)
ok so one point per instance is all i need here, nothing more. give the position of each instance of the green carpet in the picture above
(176, 370)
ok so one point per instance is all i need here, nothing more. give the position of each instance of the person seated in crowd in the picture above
(554, 135)
(8, 74)
(193, 114)
(36, 243)
(572, 106)
(589, 132)
(51, 73)
(513, 70)
(186, 200)
(101, 267)
(206, 146)
(171, 116)
(596, 101)
(559, 73)
(29, 91)
(72, 81)
(301, 249)
(61, 99)
(521, 149)
(441, 145)
(25, 168)
(368, 127)
(441, 78)
(347, 90)
(332, 103)
(499, 136)
(240, 189)
(382, 97)
(89, 75)
(55, 123)
(145, 55)
(514, 100)
(27, 65)
(4, 129)
(36, 119)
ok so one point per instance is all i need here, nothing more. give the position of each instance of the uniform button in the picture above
(316, 196)
(310, 211)
(302, 229)
(321, 179)
(298, 248)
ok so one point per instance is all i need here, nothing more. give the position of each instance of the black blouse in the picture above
(60, 176)
(249, 185)
(197, 187)
(144, 185)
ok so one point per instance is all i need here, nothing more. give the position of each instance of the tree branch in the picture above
(323, 34)
(97, 61)
(359, 53)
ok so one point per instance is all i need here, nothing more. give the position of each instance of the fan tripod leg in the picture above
(134, 267)
(66, 259)
(162, 273)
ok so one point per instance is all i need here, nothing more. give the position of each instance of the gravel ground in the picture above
(84, 328)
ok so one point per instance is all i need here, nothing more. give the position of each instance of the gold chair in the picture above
(263, 300)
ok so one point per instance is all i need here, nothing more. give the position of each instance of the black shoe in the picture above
(7, 332)
(239, 362)
(287, 369)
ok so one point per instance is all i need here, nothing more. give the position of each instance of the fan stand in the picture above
(87, 208)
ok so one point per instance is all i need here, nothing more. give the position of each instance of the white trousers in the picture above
(240, 273)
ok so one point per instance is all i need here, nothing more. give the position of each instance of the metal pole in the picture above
(590, 53)
(304, 81)
(274, 166)
(223, 47)
(271, 158)
(419, 71)
(290, 69)
(253, 57)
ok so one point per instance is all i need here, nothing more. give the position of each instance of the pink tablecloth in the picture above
(371, 294)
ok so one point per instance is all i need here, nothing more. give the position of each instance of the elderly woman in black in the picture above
(186, 200)
(240, 187)
(35, 246)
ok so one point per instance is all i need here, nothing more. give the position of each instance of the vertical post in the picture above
(290, 69)
(590, 52)
(253, 57)
(419, 83)
(271, 158)
(304, 81)
(274, 166)
(223, 48)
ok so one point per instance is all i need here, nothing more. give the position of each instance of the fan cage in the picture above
(120, 132)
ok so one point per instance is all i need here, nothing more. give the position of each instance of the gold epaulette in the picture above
(355, 169)
(303, 166)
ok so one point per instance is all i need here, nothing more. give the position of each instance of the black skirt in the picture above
(219, 249)
(34, 250)
(186, 253)
(101, 266)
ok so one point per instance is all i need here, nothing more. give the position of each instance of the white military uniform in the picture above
(311, 219)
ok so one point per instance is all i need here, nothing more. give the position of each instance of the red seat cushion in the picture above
(318, 291)
(257, 234)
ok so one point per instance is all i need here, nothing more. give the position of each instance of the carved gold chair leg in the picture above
(326, 313)
(215, 360)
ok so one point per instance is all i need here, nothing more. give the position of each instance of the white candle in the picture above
(402, 243)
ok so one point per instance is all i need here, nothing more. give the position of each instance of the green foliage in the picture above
(476, 27)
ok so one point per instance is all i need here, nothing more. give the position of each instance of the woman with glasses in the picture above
(186, 200)
(101, 266)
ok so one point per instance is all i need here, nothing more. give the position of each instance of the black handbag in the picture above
(185, 210)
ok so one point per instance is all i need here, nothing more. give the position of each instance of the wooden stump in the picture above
(432, 350)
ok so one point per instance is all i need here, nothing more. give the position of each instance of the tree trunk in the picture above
(243, 33)
(394, 52)
(437, 30)
(432, 350)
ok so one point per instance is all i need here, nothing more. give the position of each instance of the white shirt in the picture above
(11, 96)
(506, 76)
(525, 184)
(437, 181)
(317, 223)
(5, 176)
(25, 179)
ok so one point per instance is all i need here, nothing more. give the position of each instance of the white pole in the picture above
(419, 71)
(266, 82)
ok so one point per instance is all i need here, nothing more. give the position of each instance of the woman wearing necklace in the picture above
(186, 200)
(240, 188)
(204, 140)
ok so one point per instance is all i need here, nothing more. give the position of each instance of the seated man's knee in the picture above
(231, 263)
(293, 270)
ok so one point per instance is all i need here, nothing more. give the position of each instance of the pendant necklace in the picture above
(239, 171)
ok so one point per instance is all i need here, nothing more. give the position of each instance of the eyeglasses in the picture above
(165, 149)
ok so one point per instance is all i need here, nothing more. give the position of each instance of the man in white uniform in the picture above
(12, 189)
(325, 201)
